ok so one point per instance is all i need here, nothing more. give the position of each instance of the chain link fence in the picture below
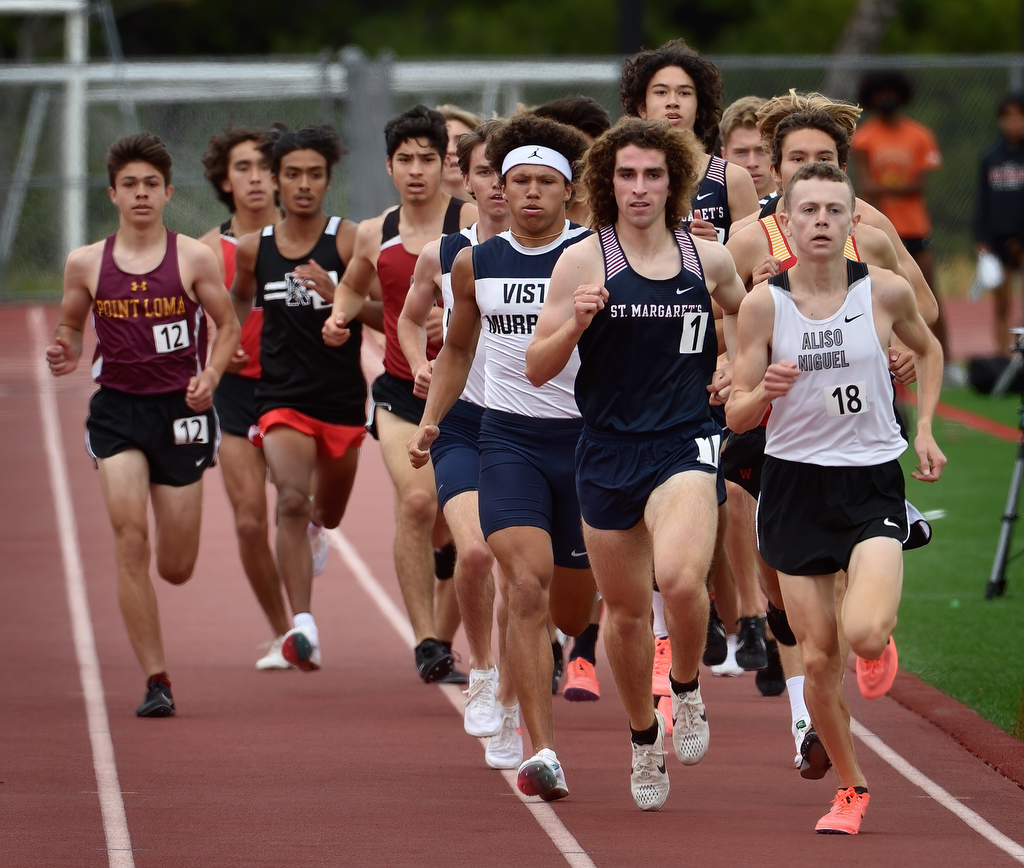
(186, 102)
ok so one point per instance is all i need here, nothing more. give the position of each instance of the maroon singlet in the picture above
(148, 338)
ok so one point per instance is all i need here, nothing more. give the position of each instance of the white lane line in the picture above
(920, 780)
(115, 823)
(542, 812)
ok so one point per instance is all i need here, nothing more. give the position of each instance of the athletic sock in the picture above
(304, 619)
(658, 607)
(646, 736)
(585, 645)
(678, 687)
(860, 791)
(795, 689)
(159, 678)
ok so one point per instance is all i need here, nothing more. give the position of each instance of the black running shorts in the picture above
(809, 517)
(235, 402)
(178, 443)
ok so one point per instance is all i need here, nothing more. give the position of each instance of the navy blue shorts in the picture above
(616, 473)
(456, 451)
(528, 479)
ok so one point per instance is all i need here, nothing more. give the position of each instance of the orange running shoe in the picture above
(848, 809)
(581, 685)
(662, 666)
(875, 677)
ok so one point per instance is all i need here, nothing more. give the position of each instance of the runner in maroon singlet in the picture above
(151, 429)
(386, 248)
(241, 179)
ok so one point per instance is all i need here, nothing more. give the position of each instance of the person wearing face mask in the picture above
(893, 157)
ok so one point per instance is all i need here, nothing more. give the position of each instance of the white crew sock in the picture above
(795, 689)
(658, 607)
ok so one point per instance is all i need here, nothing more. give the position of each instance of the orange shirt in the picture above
(896, 155)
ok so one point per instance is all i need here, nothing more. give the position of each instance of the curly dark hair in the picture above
(683, 156)
(532, 130)
(812, 119)
(279, 140)
(582, 112)
(419, 122)
(639, 69)
(140, 148)
(218, 153)
(881, 80)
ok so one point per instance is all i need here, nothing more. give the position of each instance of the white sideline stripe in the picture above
(920, 780)
(115, 823)
(546, 818)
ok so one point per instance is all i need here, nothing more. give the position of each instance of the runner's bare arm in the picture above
(575, 295)
(207, 283)
(243, 287)
(419, 303)
(351, 293)
(897, 298)
(80, 273)
(451, 367)
(755, 383)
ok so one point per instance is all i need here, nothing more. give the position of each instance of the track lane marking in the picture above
(974, 821)
(115, 823)
(542, 812)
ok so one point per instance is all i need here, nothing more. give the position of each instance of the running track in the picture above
(361, 764)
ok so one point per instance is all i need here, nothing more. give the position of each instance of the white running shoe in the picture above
(273, 659)
(730, 667)
(799, 728)
(505, 750)
(649, 780)
(320, 547)
(301, 647)
(690, 732)
(542, 775)
(482, 717)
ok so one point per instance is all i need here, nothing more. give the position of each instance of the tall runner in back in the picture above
(152, 430)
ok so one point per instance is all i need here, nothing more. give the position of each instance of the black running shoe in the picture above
(433, 660)
(717, 648)
(751, 653)
(779, 623)
(158, 701)
(771, 680)
(456, 676)
(814, 761)
(559, 668)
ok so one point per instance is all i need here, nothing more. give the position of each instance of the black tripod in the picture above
(997, 581)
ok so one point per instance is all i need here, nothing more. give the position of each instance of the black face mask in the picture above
(888, 106)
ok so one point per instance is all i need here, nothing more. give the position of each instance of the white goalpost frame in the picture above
(73, 141)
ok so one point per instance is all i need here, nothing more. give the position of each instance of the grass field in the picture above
(949, 635)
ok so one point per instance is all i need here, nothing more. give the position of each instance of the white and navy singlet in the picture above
(647, 358)
(711, 201)
(511, 285)
(451, 246)
(839, 412)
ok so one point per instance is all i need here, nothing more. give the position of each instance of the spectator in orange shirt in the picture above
(893, 156)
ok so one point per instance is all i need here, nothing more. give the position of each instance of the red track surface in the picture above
(361, 764)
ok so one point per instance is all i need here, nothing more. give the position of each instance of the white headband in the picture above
(536, 155)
